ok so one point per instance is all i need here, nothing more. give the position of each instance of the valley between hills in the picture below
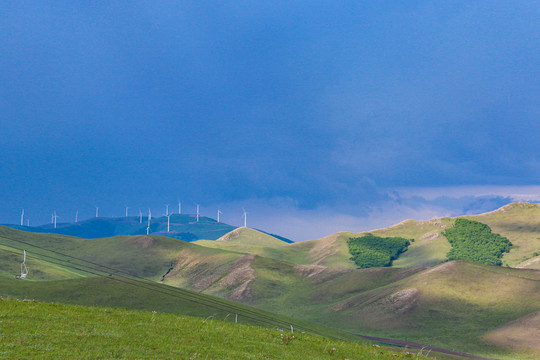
(486, 310)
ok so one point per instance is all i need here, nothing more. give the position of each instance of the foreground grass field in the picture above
(53, 331)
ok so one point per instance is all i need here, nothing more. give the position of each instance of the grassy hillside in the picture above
(104, 333)
(455, 304)
(244, 240)
(10, 266)
(181, 226)
(443, 306)
(447, 305)
(141, 255)
(520, 223)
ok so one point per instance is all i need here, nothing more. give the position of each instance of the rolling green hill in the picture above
(79, 332)
(418, 299)
(519, 222)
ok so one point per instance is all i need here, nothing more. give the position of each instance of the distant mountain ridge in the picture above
(182, 226)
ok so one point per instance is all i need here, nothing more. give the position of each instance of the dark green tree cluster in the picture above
(373, 251)
(474, 241)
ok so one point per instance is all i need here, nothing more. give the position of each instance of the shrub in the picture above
(474, 241)
(374, 251)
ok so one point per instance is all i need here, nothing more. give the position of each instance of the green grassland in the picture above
(457, 305)
(53, 331)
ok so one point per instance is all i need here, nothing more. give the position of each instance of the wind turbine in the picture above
(54, 218)
(76, 216)
(97, 211)
(149, 218)
(22, 217)
(166, 209)
(218, 213)
(179, 207)
(140, 216)
(127, 208)
(24, 269)
(197, 212)
(168, 221)
(244, 215)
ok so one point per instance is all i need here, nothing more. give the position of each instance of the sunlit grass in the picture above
(53, 331)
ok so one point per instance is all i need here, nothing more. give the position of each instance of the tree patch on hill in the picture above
(474, 241)
(373, 251)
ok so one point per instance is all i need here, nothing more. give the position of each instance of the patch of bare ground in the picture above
(529, 263)
(235, 234)
(523, 333)
(438, 223)
(239, 278)
(402, 301)
(144, 241)
(432, 235)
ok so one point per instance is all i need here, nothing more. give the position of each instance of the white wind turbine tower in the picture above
(127, 208)
(149, 218)
(22, 217)
(166, 209)
(97, 211)
(168, 221)
(54, 218)
(24, 269)
(198, 213)
(140, 216)
(218, 213)
(76, 216)
(179, 207)
(244, 215)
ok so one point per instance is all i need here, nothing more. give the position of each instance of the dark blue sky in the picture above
(321, 107)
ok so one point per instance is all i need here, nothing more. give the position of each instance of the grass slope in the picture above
(520, 223)
(141, 255)
(244, 240)
(454, 304)
(445, 306)
(103, 333)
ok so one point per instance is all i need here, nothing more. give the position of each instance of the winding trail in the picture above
(410, 344)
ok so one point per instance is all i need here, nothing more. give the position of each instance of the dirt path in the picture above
(420, 346)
